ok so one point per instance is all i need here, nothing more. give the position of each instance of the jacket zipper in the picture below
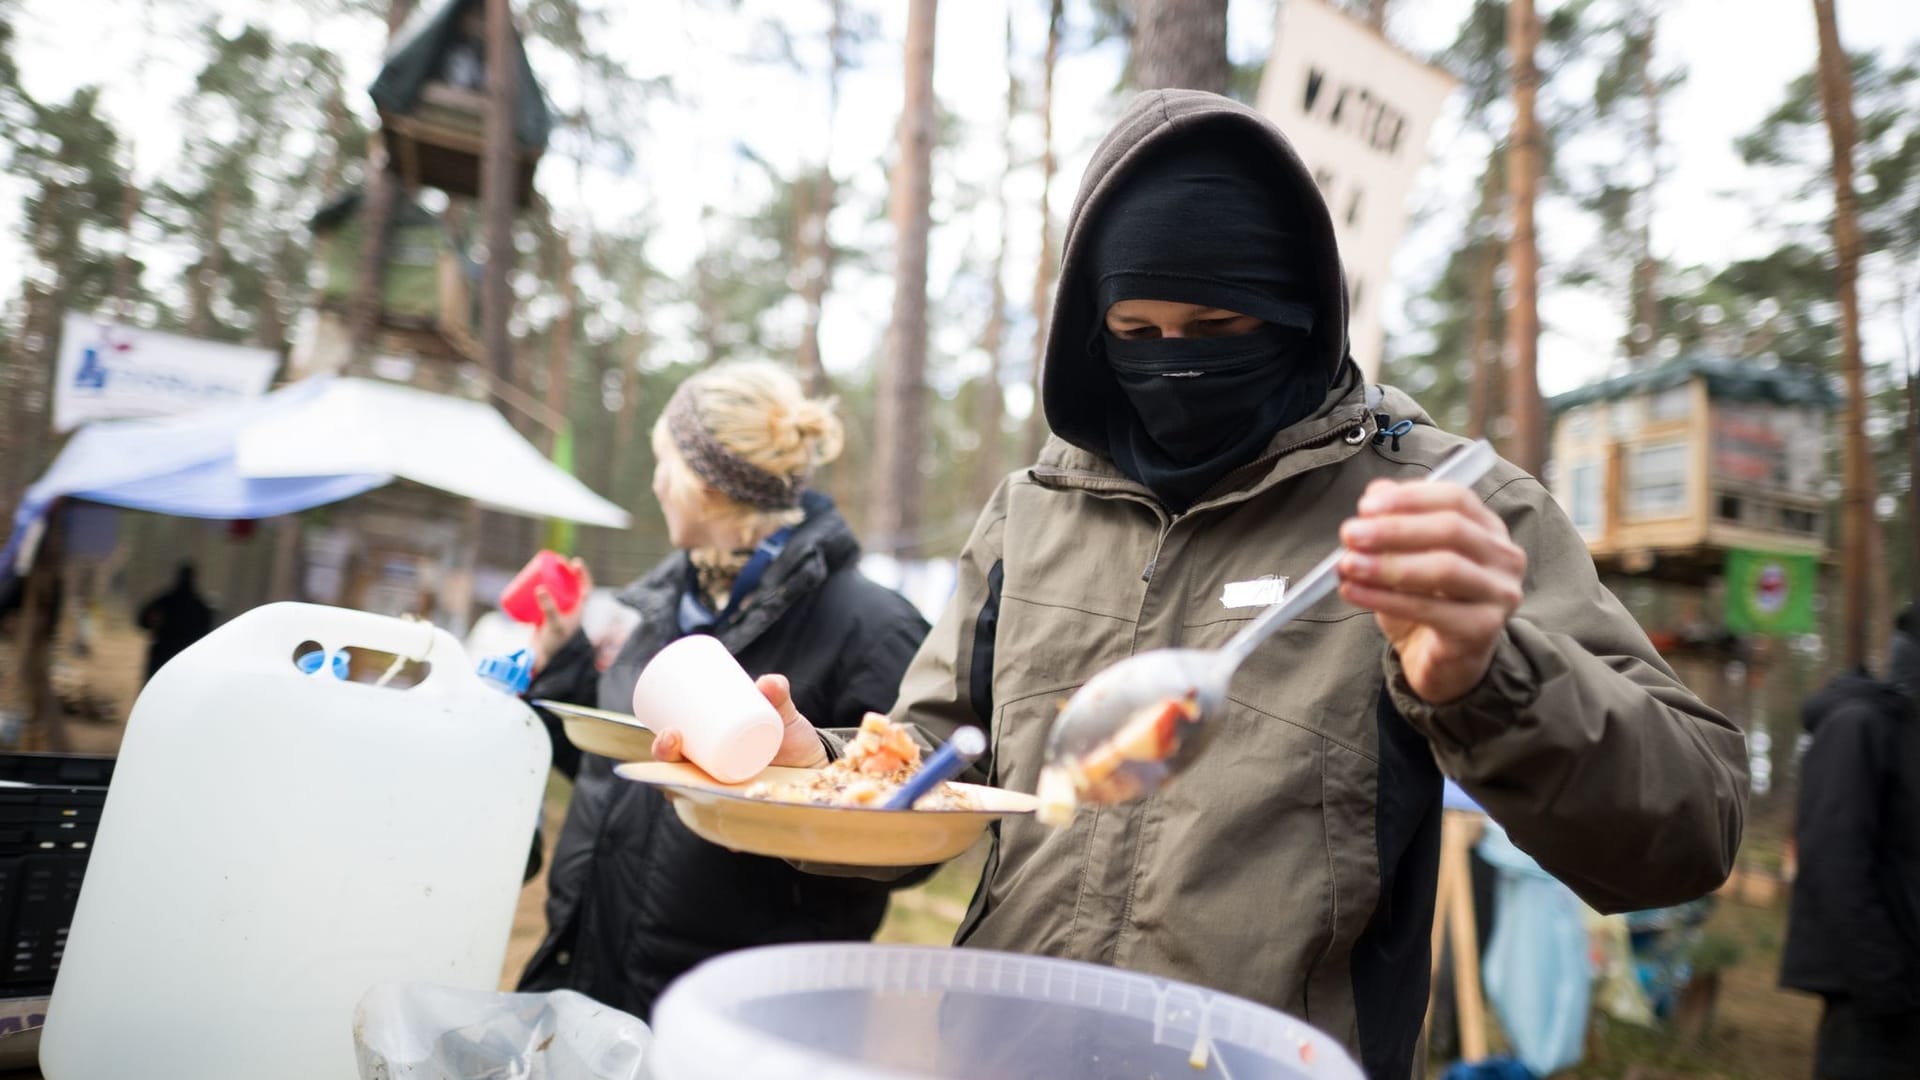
(1166, 530)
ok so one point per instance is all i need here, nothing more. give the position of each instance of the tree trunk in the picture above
(560, 343)
(1528, 447)
(496, 193)
(1644, 333)
(1486, 367)
(814, 248)
(1377, 15)
(899, 429)
(1043, 274)
(1913, 486)
(270, 324)
(989, 465)
(1836, 98)
(1180, 43)
(1483, 395)
(378, 192)
(212, 265)
(39, 621)
(123, 275)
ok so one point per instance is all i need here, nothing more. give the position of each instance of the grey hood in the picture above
(1077, 389)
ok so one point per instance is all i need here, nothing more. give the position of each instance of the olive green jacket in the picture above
(1294, 863)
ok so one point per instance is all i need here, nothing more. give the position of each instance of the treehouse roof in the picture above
(425, 52)
(1728, 379)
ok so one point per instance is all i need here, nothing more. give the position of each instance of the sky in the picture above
(1738, 55)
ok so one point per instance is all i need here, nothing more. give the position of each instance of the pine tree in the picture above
(1853, 116)
(1180, 43)
(248, 179)
(893, 517)
(1043, 273)
(1628, 94)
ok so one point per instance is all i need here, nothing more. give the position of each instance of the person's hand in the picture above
(800, 745)
(557, 626)
(1441, 576)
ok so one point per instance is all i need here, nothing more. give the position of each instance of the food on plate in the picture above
(878, 760)
(1151, 735)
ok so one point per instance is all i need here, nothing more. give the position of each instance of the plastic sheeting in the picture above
(457, 446)
(420, 1031)
(311, 443)
(1536, 968)
(181, 465)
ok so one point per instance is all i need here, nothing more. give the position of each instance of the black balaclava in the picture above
(1198, 223)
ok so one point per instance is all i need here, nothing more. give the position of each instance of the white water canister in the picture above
(275, 842)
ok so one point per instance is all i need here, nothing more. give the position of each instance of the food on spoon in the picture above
(881, 758)
(1151, 735)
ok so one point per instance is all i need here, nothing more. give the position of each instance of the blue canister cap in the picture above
(512, 672)
(336, 662)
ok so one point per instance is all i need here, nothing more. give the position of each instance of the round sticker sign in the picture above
(1770, 589)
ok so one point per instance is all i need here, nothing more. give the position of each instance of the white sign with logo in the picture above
(108, 371)
(1359, 112)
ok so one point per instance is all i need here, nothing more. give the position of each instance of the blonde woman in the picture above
(768, 567)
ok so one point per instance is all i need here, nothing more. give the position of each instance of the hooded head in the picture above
(1196, 200)
(1903, 654)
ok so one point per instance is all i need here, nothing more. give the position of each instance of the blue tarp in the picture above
(178, 465)
(1536, 968)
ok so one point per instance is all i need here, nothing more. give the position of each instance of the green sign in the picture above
(1769, 593)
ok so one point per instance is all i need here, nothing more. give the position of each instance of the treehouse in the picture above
(1666, 469)
(428, 297)
(432, 99)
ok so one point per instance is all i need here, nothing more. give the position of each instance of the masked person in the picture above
(1210, 429)
(769, 568)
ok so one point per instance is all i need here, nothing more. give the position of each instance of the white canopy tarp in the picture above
(358, 426)
(314, 442)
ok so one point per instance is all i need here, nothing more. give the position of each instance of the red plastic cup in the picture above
(546, 568)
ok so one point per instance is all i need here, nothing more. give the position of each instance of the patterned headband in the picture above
(727, 472)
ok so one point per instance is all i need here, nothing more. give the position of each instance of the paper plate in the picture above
(846, 835)
(597, 731)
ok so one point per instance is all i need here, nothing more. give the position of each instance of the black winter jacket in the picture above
(635, 899)
(1854, 930)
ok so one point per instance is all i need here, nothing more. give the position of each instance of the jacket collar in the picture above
(820, 545)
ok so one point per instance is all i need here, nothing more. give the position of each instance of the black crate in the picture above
(49, 813)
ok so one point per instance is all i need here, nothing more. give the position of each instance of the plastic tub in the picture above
(881, 1012)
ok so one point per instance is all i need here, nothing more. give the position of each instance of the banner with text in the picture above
(1359, 112)
(107, 371)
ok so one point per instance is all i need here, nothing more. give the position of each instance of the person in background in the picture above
(1213, 440)
(767, 566)
(175, 619)
(1853, 932)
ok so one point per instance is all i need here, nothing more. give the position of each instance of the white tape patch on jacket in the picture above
(1260, 592)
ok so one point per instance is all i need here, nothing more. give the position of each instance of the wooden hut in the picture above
(431, 95)
(428, 310)
(1666, 469)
